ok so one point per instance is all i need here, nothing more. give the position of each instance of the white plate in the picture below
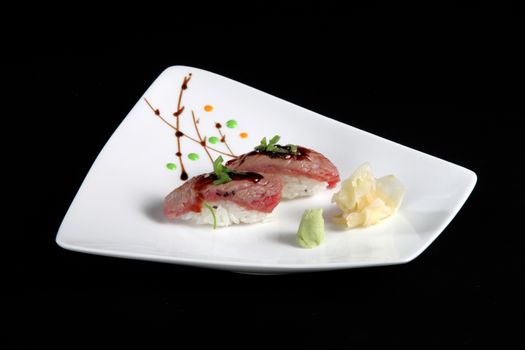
(118, 209)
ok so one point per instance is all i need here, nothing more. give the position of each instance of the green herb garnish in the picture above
(212, 214)
(221, 172)
(273, 147)
(268, 147)
(293, 148)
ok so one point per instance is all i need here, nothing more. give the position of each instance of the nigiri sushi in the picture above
(225, 197)
(304, 171)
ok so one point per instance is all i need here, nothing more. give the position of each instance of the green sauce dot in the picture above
(171, 166)
(231, 123)
(193, 156)
(213, 139)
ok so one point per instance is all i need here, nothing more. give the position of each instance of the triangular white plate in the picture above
(118, 209)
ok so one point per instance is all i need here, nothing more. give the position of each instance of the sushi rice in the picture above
(300, 186)
(226, 214)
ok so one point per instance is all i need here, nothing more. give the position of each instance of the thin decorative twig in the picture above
(158, 114)
(223, 137)
(201, 140)
(178, 133)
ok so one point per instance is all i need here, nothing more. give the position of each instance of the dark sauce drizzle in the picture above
(179, 134)
(206, 180)
(302, 154)
(183, 174)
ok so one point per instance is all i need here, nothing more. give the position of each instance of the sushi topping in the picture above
(222, 174)
(273, 147)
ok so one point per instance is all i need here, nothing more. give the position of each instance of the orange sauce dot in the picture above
(243, 135)
(208, 108)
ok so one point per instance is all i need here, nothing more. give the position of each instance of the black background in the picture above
(444, 81)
